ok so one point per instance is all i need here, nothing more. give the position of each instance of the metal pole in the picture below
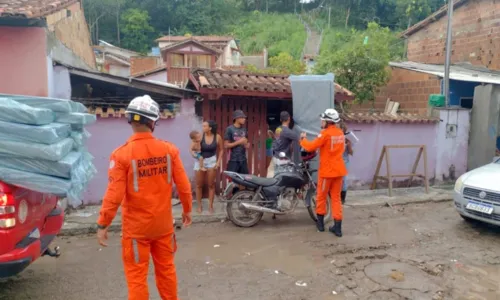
(449, 37)
(329, 12)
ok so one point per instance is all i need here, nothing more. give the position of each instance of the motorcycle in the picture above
(279, 195)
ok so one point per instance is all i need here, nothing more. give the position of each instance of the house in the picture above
(36, 34)
(112, 59)
(259, 96)
(181, 56)
(228, 47)
(107, 96)
(474, 79)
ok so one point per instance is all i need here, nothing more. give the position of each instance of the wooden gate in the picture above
(221, 112)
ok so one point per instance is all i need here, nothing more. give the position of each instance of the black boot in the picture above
(320, 223)
(343, 195)
(337, 228)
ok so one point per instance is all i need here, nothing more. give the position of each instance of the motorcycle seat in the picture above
(261, 181)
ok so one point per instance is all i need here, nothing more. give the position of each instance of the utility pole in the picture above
(406, 40)
(329, 13)
(449, 37)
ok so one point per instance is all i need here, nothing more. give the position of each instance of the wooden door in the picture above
(221, 112)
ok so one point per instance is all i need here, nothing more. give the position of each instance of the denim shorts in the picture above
(269, 152)
(208, 163)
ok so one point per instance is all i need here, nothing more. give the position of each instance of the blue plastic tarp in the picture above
(44, 134)
(15, 112)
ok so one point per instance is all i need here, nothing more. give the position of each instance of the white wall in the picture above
(119, 70)
(452, 143)
(158, 76)
(59, 83)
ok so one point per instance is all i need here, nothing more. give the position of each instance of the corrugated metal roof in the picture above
(460, 72)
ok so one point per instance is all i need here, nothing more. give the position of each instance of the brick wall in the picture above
(411, 89)
(476, 36)
(71, 29)
(141, 64)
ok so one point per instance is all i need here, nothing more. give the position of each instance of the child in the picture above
(195, 149)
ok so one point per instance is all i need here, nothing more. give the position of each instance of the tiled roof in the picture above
(32, 8)
(363, 117)
(109, 112)
(243, 81)
(204, 38)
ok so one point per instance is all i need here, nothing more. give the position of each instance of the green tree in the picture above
(282, 64)
(136, 30)
(361, 64)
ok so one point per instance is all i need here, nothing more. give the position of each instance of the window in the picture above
(68, 13)
(177, 60)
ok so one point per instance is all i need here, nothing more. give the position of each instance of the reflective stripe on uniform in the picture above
(134, 170)
(135, 250)
(169, 169)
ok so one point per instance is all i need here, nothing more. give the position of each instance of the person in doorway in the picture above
(211, 147)
(497, 151)
(269, 147)
(283, 143)
(331, 145)
(236, 140)
(347, 152)
(142, 173)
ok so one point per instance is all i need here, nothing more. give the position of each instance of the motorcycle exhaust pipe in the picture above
(261, 209)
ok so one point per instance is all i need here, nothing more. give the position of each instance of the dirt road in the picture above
(422, 251)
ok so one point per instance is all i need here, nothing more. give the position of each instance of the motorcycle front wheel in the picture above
(311, 209)
(234, 208)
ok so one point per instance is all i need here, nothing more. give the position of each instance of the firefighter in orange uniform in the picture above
(142, 173)
(331, 145)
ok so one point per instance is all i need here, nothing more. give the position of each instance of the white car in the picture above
(477, 194)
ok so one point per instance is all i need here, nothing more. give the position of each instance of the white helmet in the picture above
(330, 115)
(144, 106)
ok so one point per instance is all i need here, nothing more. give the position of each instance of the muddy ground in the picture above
(423, 251)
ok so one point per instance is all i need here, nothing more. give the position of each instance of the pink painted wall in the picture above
(372, 137)
(23, 61)
(110, 133)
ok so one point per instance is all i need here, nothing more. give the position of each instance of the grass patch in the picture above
(276, 32)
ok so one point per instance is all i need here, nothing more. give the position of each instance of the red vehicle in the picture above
(29, 222)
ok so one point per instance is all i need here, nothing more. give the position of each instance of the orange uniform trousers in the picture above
(332, 186)
(136, 253)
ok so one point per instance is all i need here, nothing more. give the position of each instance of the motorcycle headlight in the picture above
(459, 184)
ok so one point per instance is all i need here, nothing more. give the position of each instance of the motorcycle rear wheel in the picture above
(254, 216)
(312, 209)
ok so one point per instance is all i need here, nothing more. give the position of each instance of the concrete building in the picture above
(474, 74)
(33, 36)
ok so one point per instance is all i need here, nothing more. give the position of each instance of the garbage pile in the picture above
(42, 145)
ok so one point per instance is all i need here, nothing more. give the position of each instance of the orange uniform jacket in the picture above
(141, 176)
(331, 145)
